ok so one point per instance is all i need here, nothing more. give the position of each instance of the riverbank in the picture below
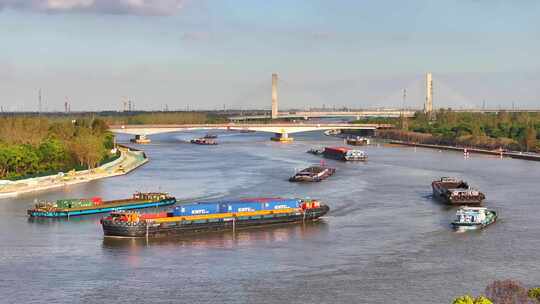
(129, 160)
(517, 155)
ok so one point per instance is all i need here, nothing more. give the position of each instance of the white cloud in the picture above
(135, 7)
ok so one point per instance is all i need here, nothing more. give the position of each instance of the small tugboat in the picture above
(472, 218)
(210, 136)
(74, 207)
(140, 139)
(357, 141)
(203, 141)
(344, 153)
(313, 174)
(315, 151)
(213, 217)
(456, 192)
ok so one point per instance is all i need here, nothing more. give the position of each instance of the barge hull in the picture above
(178, 228)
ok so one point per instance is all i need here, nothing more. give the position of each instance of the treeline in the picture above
(31, 146)
(164, 118)
(512, 131)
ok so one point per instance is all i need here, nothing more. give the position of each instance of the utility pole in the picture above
(404, 123)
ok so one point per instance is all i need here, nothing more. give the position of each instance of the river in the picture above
(384, 241)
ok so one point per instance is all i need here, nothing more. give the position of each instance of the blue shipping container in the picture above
(197, 209)
(282, 204)
(244, 206)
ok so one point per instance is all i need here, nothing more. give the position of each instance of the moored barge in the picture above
(344, 153)
(456, 192)
(75, 207)
(213, 217)
(313, 174)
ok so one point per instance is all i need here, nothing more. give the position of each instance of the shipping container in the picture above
(242, 206)
(198, 209)
(282, 204)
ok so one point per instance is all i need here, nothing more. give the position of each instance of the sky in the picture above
(211, 54)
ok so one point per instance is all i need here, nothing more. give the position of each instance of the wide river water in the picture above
(384, 241)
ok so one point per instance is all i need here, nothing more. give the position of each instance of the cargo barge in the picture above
(203, 141)
(456, 192)
(213, 217)
(344, 153)
(357, 141)
(313, 174)
(140, 139)
(75, 207)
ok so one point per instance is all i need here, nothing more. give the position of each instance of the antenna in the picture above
(39, 101)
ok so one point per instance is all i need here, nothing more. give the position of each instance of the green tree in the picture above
(482, 300)
(466, 299)
(529, 140)
(534, 293)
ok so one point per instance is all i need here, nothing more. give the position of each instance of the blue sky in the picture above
(206, 54)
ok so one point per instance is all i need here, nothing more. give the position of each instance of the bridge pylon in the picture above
(275, 110)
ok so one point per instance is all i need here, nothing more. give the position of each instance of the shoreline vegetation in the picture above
(33, 146)
(129, 160)
(518, 131)
(38, 145)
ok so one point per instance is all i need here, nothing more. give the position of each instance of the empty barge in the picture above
(456, 192)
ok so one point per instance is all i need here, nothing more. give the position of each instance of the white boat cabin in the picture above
(473, 215)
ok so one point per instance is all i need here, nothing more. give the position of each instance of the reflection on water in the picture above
(228, 239)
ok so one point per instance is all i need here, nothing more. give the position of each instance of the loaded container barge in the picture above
(344, 153)
(75, 207)
(456, 192)
(213, 217)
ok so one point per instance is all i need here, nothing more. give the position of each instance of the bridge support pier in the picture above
(282, 137)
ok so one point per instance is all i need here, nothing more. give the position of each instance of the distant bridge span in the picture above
(277, 128)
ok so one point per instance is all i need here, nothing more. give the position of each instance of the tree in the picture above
(467, 299)
(529, 140)
(507, 292)
(534, 293)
